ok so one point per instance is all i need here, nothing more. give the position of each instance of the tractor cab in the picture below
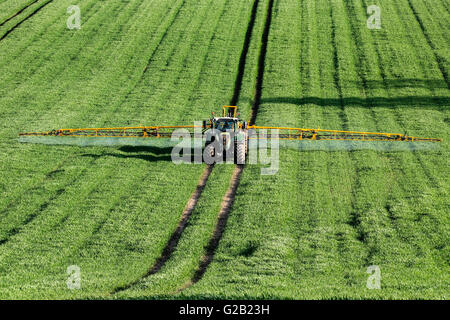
(225, 124)
(226, 135)
(229, 122)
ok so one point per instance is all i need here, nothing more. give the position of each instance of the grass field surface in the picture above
(312, 230)
(308, 232)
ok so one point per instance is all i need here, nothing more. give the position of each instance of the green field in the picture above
(308, 232)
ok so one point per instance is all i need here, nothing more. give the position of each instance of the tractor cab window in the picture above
(224, 125)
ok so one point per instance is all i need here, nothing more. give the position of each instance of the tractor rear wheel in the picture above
(240, 153)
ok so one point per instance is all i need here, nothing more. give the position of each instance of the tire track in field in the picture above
(203, 68)
(42, 63)
(22, 21)
(342, 115)
(10, 205)
(379, 59)
(229, 197)
(171, 21)
(176, 235)
(261, 64)
(361, 71)
(29, 218)
(192, 202)
(351, 12)
(360, 59)
(356, 35)
(397, 113)
(98, 224)
(161, 40)
(244, 54)
(226, 206)
(354, 221)
(437, 57)
(18, 12)
(180, 56)
(190, 205)
(87, 193)
(431, 9)
(14, 202)
(45, 205)
(59, 192)
(59, 166)
(36, 37)
(187, 212)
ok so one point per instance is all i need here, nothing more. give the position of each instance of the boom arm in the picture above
(284, 133)
(321, 134)
(150, 132)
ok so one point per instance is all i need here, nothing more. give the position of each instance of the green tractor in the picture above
(227, 137)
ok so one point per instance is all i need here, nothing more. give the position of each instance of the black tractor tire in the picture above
(240, 153)
(209, 149)
(246, 144)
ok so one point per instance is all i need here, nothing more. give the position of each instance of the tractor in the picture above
(226, 136)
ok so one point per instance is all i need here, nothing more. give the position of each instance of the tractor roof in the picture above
(225, 118)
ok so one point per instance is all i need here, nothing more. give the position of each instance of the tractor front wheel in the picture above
(210, 150)
(209, 153)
